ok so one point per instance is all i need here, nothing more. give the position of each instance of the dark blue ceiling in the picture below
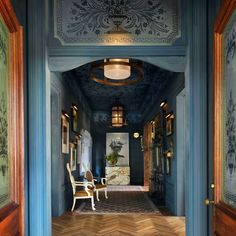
(135, 98)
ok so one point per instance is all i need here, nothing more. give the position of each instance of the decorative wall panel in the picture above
(229, 94)
(4, 87)
(117, 22)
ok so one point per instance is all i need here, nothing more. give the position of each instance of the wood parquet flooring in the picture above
(116, 225)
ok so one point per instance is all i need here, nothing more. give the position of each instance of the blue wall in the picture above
(135, 153)
(61, 58)
(170, 92)
(62, 97)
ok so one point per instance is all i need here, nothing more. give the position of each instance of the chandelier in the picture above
(116, 72)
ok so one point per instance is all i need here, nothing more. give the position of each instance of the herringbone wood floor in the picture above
(114, 225)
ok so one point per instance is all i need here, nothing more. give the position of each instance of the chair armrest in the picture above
(103, 181)
(84, 184)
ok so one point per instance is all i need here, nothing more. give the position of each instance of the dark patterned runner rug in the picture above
(120, 202)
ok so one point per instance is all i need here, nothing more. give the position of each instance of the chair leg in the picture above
(106, 194)
(97, 195)
(92, 204)
(74, 200)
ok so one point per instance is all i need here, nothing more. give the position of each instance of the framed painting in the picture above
(224, 118)
(159, 154)
(73, 154)
(79, 148)
(168, 166)
(74, 118)
(169, 123)
(65, 129)
(11, 123)
(118, 143)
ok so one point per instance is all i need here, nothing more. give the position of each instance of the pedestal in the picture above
(118, 175)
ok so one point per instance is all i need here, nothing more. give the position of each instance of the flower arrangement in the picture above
(112, 158)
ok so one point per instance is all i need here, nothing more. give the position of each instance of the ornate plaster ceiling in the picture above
(135, 98)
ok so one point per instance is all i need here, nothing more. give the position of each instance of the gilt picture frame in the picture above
(73, 156)
(79, 148)
(168, 166)
(169, 124)
(74, 118)
(65, 129)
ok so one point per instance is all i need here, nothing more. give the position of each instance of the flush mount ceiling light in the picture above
(116, 72)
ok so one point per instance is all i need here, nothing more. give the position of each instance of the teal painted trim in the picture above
(39, 122)
(62, 64)
(181, 169)
(213, 7)
(111, 51)
(196, 110)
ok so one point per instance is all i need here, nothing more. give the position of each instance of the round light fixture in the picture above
(136, 135)
(116, 72)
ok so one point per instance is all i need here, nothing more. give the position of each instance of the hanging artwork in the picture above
(169, 123)
(73, 153)
(79, 149)
(74, 118)
(168, 166)
(65, 127)
(4, 76)
(118, 143)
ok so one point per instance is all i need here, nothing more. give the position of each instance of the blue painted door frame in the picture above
(191, 59)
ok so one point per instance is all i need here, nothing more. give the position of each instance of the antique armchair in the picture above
(96, 186)
(85, 193)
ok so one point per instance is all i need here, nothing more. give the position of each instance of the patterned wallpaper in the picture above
(117, 22)
(136, 98)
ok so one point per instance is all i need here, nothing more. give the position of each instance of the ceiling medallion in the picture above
(116, 72)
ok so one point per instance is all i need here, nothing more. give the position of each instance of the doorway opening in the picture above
(93, 103)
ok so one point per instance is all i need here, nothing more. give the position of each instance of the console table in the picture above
(118, 175)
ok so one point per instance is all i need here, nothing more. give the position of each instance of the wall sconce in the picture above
(136, 135)
(170, 149)
(164, 105)
(170, 116)
(65, 114)
(169, 153)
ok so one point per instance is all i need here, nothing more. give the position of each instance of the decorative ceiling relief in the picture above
(117, 22)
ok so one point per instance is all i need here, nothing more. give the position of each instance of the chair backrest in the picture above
(72, 180)
(89, 176)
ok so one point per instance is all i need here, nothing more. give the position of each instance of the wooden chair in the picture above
(96, 186)
(85, 193)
